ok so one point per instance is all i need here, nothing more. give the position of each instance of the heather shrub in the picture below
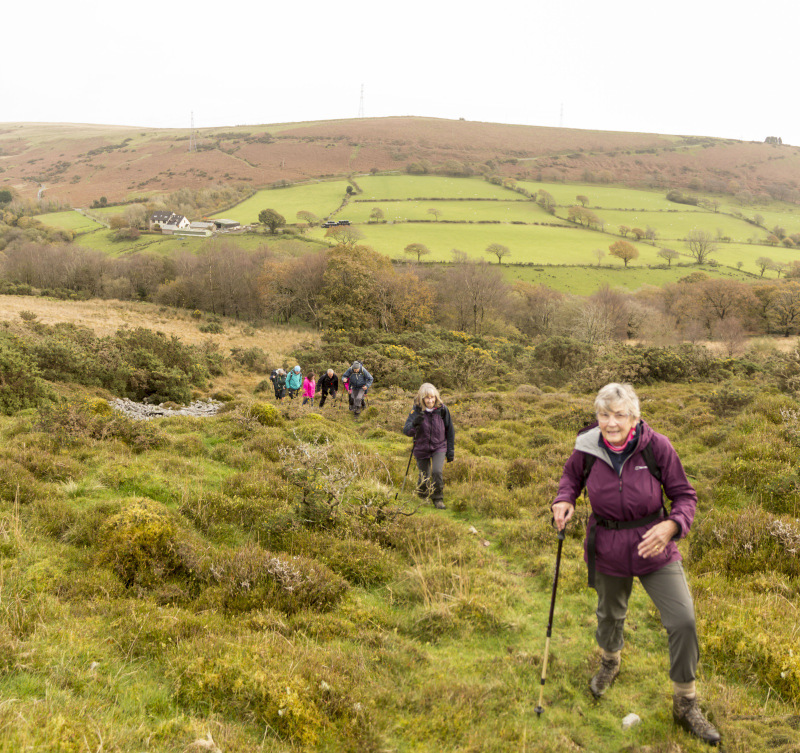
(252, 578)
(745, 543)
(360, 562)
(521, 472)
(68, 422)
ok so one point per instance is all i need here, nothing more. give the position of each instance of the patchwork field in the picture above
(469, 214)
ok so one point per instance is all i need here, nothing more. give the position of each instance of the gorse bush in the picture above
(21, 382)
(139, 363)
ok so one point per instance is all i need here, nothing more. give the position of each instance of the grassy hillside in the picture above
(190, 583)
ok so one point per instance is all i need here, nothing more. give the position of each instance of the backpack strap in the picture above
(618, 525)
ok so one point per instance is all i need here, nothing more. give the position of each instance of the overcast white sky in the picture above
(696, 67)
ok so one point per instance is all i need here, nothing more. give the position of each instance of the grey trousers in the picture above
(669, 591)
(431, 477)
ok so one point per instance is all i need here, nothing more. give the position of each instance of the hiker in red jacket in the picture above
(630, 534)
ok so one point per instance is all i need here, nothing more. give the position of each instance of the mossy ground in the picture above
(159, 597)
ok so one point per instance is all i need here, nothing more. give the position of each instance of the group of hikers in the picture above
(356, 381)
(624, 466)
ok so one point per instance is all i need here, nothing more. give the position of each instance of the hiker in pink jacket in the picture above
(309, 388)
(624, 465)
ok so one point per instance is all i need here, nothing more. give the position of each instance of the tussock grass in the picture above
(209, 584)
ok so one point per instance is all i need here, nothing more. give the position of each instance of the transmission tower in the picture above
(192, 136)
(361, 103)
(561, 117)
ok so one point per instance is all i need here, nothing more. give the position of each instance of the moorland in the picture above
(265, 579)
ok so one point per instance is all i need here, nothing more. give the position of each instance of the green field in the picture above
(451, 211)
(70, 220)
(527, 243)
(320, 198)
(676, 225)
(476, 213)
(403, 187)
(586, 280)
(605, 197)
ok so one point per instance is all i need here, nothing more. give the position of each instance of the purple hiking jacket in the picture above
(631, 495)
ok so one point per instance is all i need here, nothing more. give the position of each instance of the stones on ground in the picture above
(631, 721)
(144, 412)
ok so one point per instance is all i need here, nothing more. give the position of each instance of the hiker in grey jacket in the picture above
(359, 380)
(630, 534)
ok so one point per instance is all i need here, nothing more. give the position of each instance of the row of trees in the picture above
(352, 286)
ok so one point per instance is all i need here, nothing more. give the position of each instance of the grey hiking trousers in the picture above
(431, 476)
(669, 591)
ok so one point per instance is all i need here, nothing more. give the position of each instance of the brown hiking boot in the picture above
(687, 713)
(602, 681)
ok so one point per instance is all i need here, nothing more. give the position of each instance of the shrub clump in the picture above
(68, 422)
(140, 543)
(21, 383)
(753, 541)
(253, 578)
(265, 414)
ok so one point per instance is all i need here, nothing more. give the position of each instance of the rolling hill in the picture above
(79, 163)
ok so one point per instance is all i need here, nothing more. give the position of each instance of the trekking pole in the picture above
(411, 455)
(561, 534)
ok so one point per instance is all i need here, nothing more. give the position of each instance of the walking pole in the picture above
(411, 455)
(539, 710)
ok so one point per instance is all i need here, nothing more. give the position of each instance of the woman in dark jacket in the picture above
(630, 534)
(434, 441)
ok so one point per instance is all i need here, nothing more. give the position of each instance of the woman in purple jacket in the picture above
(434, 441)
(630, 534)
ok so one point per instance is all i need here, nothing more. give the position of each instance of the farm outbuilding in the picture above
(227, 224)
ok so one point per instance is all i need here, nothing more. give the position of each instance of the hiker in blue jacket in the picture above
(359, 381)
(294, 381)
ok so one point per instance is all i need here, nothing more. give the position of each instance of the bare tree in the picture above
(783, 310)
(732, 334)
(499, 250)
(599, 254)
(471, 289)
(535, 308)
(416, 249)
(669, 254)
(345, 235)
(701, 245)
(437, 213)
(764, 263)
